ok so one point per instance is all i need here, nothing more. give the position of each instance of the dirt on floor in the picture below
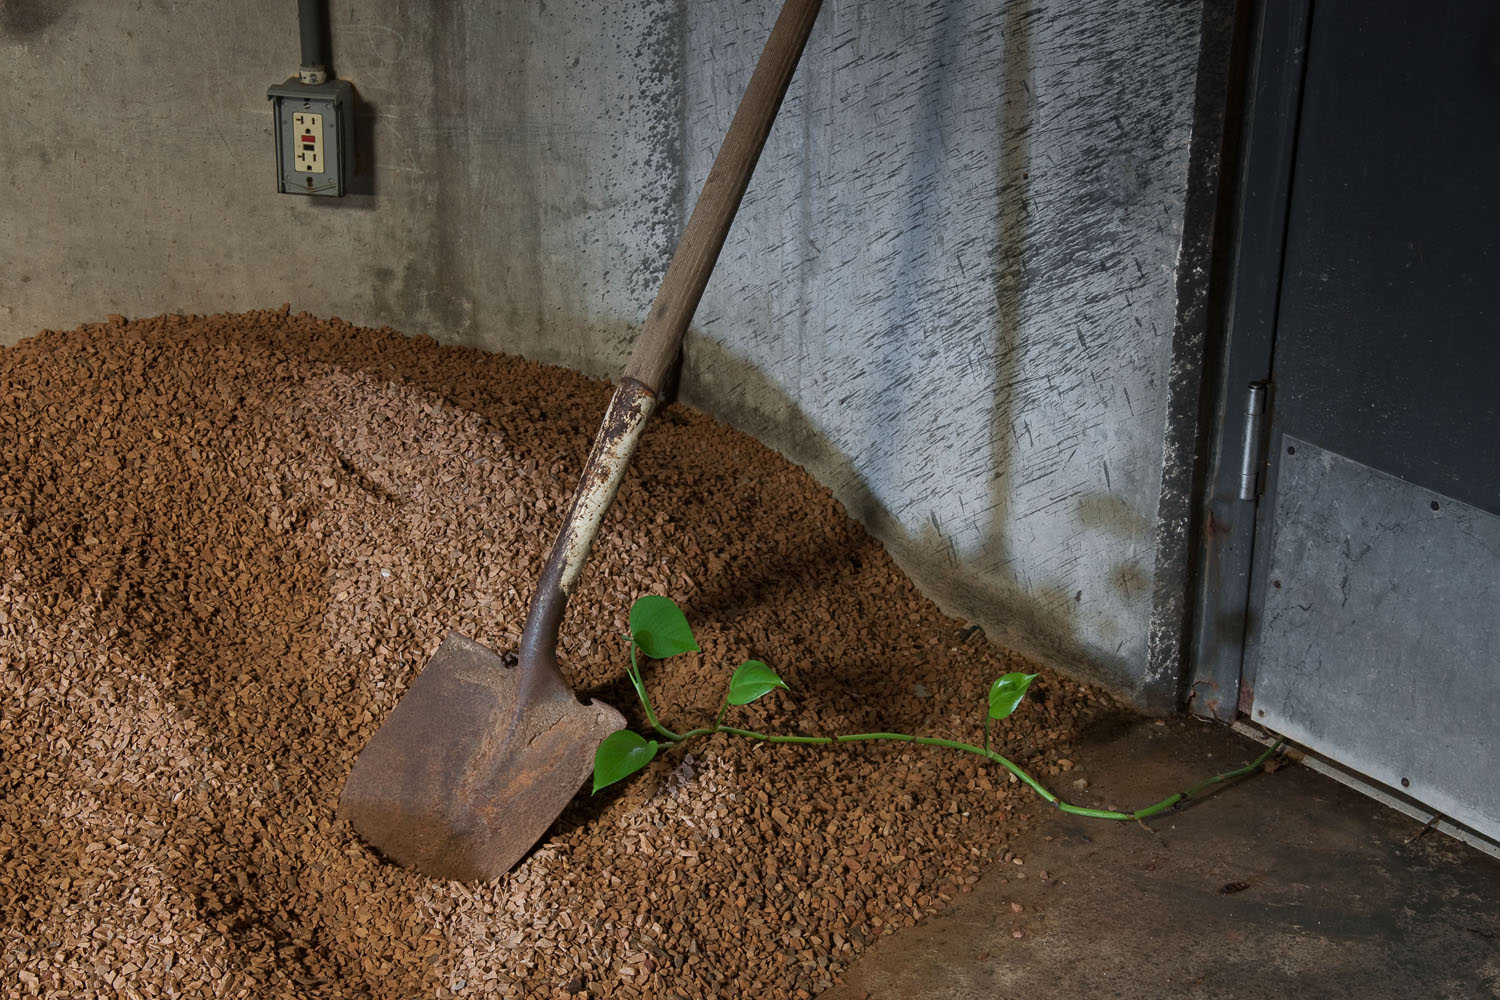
(228, 544)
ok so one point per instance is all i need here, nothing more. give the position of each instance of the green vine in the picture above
(659, 629)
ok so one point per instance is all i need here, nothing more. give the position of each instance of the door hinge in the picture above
(1253, 448)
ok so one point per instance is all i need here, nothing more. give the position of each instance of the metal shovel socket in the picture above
(479, 757)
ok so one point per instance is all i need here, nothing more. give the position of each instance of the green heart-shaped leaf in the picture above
(620, 755)
(660, 628)
(753, 679)
(1007, 692)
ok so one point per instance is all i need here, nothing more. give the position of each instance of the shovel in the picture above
(479, 757)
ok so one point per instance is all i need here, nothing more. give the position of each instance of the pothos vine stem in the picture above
(677, 739)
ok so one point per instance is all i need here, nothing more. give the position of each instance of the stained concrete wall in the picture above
(951, 291)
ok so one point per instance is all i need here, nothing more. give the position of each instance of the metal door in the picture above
(1371, 629)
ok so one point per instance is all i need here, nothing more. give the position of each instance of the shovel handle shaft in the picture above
(703, 238)
(624, 422)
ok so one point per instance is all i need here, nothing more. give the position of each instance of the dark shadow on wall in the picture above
(898, 350)
(366, 122)
(1050, 611)
(433, 287)
(26, 18)
(1039, 620)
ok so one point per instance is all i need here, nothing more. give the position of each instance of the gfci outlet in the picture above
(307, 135)
(314, 136)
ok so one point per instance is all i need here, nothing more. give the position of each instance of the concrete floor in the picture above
(1287, 884)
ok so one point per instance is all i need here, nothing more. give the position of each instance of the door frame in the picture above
(1221, 681)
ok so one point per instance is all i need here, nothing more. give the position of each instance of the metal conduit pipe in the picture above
(310, 14)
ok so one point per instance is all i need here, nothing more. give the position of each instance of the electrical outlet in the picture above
(307, 135)
(314, 136)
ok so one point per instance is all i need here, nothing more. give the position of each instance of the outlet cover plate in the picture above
(314, 126)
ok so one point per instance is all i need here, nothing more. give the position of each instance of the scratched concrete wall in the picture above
(950, 292)
(958, 264)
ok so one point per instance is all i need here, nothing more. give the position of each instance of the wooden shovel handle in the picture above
(698, 249)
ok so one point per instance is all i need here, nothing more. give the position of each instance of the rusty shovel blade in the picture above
(478, 757)
(463, 778)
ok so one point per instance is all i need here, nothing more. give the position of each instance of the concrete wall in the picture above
(950, 294)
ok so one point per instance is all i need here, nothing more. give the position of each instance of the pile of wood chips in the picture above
(228, 544)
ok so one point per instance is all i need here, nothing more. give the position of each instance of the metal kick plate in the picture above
(1380, 643)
